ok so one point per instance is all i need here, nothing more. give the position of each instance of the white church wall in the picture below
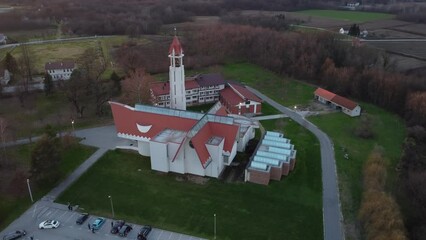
(178, 165)
(192, 163)
(159, 159)
(215, 152)
(143, 148)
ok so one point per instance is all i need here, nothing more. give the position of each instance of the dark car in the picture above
(14, 235)
(117, 226)
(124, 230)
(82, 218)
(143, 233)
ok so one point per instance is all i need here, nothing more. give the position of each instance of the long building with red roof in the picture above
(347, 106)
(183, 141)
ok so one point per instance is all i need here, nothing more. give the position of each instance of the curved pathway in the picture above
(332, 216)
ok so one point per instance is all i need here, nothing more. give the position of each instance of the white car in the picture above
(49, 224)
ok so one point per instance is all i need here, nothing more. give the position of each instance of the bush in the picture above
(364, 129)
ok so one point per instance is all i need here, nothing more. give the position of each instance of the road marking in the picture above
(48, 213)
(62, 215)
(69, 217)
(160, 235)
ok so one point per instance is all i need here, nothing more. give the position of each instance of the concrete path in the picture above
(332, 216)
(269, 117)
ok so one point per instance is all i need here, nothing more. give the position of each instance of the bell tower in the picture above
(177, 76)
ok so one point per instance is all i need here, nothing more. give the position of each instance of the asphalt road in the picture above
(332, 216)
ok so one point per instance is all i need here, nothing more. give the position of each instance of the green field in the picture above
(284, 90)
(390, 132)
(353, 16)
(13, 206)
(291, 207)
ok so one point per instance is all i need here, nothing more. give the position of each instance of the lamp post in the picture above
(29, 190)
(72, 124)
(214, 215)
(112, 205)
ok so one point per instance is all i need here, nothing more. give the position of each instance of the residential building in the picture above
(60, 70)
(337, 102)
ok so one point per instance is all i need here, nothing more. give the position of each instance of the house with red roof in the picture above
(239, 100)
(347, 106)
(182, 141)
(60, 70)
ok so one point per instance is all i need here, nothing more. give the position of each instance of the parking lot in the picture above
(68, 229)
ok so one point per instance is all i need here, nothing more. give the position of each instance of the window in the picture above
(188, 98)
(201, 99)
(194, 97)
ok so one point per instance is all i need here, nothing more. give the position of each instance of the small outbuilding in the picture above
(333, 100)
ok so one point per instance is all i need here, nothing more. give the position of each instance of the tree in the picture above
(354, 30)
(26, 67)
(10, 63)
(48, 84)
(77, 90)
(45, 159)
(116, 83)
(136, 87)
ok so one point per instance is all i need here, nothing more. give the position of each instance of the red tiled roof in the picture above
(230, 96)
(199, 143)
(222, 111)
(126, 120)
(163, 88)
(176, 46)
(344, 102)
(59, 65)
(324, 94)
(339, 100)
(245, 93)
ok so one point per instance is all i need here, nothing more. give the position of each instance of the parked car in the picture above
(143, 233)
(49, 224)
(14, 235)
(97, 224)
(124, 230)
(82, 218)
(117, 226)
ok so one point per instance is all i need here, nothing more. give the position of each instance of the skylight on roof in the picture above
(276, 144)
(278, 139)
(272, 155)
(258, 165)
(269, 161)
(275, 134)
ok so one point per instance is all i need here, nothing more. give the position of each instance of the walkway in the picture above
(332, 216)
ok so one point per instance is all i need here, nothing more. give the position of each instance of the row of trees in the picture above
(379, 212)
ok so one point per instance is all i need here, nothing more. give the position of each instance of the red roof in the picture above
(221, 111)
(324, 94)
(339, 100)
(344, 102)
(244, 92)
(230, 96)
(163, 88)
(175, 46)
(127, 118)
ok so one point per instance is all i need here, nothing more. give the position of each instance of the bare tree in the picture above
(136, 87)
(26, 66)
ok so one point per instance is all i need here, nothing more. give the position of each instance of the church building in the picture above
(183, 141)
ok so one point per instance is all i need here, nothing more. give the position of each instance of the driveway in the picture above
(332, 216)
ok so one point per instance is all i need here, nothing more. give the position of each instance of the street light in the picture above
(72, 124)
(112, 205)
(214, 215)
(29, 190)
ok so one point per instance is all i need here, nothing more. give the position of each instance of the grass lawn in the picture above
(390, 132)
(284, 90)
(290, 208)
(353, 16)
(13, 206)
